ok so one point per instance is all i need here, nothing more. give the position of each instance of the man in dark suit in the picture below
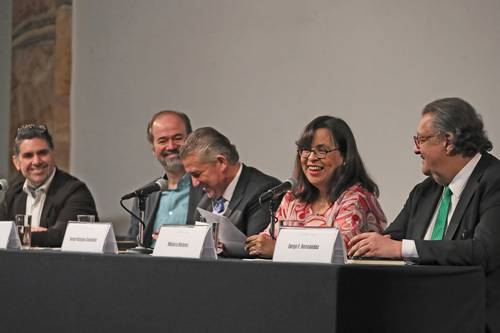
(166, 132)
(452, 217)
(231, 188)
(51, 196)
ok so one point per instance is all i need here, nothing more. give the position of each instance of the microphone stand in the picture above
(140, 248)
(273, 205)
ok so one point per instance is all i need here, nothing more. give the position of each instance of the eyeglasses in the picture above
(28, 128)
(419, 139)
(320, 153)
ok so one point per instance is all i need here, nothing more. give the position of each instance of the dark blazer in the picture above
(66, 198)
(244, 210)
(473, 234)
(152, 204)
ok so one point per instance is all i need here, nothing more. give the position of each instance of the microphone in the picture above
(3, 185)
(276, 191)
(159, 185)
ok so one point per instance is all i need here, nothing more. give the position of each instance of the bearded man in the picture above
(167, 132)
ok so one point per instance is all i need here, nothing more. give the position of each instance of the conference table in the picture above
(51, 291)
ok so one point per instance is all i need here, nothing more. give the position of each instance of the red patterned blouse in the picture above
(357, 210)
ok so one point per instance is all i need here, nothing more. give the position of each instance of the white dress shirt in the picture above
(228, 193)
(36, 199)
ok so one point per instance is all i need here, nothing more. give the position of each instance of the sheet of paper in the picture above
(377, 261)
(232, 238)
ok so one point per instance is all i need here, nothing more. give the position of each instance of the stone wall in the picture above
(41, 69)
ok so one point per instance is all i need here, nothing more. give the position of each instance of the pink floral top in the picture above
(357, 210)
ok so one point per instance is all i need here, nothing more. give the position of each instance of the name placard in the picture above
(319, 245)
(185, 241)
(89, 237)
(9, 239)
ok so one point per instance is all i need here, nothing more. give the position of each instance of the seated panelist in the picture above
(453, 216)
(333, 188)
(166, 132)
(51, 196)
(230, 187)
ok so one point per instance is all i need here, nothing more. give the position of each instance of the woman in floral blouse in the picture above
(333, 188)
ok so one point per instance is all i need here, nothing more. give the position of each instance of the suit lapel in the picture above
(195, 196)
(425, 214)
(239, 191)
(49, 200)
(152, 204)
(20, 203)
(205, 203)
(47, 208)
(467, 194)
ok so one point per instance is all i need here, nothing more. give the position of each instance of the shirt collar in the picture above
(228, 193)
(28, 189)
(460, 180)
(184, 182)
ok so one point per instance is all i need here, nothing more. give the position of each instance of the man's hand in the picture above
(372, 244)
(38, 229)
(260, 245)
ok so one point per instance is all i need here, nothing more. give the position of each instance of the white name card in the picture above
(319, 245)
(89, 237)
(185, 241)
(9, 239)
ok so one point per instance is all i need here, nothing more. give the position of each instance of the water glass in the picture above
(23, 225)
(85, 218)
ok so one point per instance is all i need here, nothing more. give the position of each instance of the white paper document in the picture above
(232, 238)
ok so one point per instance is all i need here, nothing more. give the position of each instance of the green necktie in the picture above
(442, 215)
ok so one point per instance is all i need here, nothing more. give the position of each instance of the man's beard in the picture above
(174, 164)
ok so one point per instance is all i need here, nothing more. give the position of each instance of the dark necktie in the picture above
(442, 216)
(218, 205)
(32, 191)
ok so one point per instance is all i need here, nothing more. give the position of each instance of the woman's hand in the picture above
(260, 245)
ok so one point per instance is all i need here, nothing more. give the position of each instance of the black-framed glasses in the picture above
(419, 139)
(320, 153)
(28, 128)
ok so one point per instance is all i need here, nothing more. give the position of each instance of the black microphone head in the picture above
(4, 184)
(292, 181)
(277, 191)
(162, 183)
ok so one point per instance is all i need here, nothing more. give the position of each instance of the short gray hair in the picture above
(207, 143)
(31, 131)
(456, 116)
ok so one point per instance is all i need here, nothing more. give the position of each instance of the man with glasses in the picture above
(452, 217)
(231, 188)
(167, 132)
(51, 196)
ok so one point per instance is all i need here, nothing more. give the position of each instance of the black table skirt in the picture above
(49, 291)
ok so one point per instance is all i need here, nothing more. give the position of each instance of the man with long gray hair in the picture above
(452, 217)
